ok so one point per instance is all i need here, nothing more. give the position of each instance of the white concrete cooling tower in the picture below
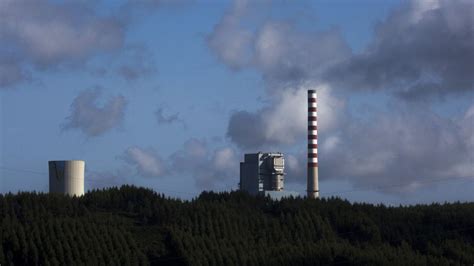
(67, 177)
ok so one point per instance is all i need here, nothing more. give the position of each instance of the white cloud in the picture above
(224, 159)
(229, 40)
(211, 168)
(330, 143)
(54, 32)
(407, 145)
(284, 121)
(147, 161)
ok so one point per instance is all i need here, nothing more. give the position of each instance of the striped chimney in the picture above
(313, 186)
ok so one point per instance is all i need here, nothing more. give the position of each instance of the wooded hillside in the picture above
(136, 226)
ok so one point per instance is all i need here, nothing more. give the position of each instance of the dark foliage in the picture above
(136, 226)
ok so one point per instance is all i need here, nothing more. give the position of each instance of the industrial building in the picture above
(67, 177)
(263, 174)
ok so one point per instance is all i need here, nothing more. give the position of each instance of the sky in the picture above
(170, 94)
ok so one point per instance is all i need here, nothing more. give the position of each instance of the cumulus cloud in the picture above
(283, 52)
(295, 167)
(43, 35)
(406, 147)
(93, 119)
(221, 167)
(211, 168)
(147, 162)
(48, 33)
(290, 60)
(51, 32)
(287, 55)
(284, 120)
(423, 48)
(229, 40)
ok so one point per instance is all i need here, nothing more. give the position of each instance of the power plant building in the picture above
(262, 172)
(67, 177)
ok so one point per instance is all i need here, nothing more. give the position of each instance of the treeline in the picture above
(136, 226)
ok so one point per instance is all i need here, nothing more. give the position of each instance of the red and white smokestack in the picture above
(313, 186)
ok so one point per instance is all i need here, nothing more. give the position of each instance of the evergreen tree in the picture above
(131, 226)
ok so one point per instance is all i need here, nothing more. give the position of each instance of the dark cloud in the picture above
(147, 162)
(45, 34)
(288, 56)
(423, 48)
(92, 119)
(407, 147)
(402, 149)
(290, 60)
(48, 32)
(244, 129)
(283, 52)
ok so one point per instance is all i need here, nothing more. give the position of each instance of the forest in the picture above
(137, 226)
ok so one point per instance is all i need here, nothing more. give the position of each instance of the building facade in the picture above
(260, 172)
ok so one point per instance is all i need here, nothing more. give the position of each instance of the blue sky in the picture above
(170, 94)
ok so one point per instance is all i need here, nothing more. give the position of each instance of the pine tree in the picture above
(2, 255)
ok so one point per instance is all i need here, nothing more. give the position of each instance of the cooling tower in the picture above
(67, 177)
(313, 186)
